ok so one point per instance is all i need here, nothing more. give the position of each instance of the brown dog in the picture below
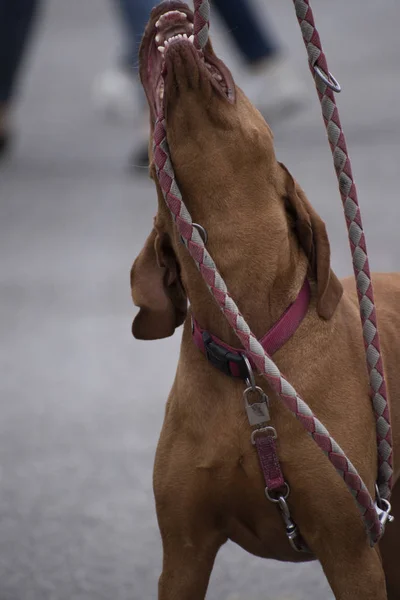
(265, 238)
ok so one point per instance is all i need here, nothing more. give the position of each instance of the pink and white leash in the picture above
(217, 287)
(326, 88)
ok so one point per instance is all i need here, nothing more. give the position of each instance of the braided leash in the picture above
(201, 23)
(217, 287)
(326, 87)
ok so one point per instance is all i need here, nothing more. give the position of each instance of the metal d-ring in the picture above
(281, 496)
(250, 380)
(203, 233)
(331, 82)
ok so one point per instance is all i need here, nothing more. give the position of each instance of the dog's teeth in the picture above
(185, 36)
(158, 38)
(161, 49)
(191, 39)
(218, 77)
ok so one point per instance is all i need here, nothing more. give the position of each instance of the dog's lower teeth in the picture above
(161, 49)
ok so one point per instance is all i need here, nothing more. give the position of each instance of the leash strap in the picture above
(265, 365)
(326, 87)
(269, 462)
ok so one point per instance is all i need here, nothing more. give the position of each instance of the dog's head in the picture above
(224, 161)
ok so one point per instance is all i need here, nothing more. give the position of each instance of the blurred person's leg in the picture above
(16, 20)
(255, 42)
(134, 15)
(118, 91)
(272, 85)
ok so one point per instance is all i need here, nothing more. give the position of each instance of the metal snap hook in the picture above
(383, 509)
(330, 81)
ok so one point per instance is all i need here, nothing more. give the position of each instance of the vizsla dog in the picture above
(267, 240)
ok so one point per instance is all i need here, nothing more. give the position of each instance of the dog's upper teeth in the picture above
(161, 49)
(191, 39)
(158, 38)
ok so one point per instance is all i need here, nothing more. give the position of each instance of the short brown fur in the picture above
(265, 238)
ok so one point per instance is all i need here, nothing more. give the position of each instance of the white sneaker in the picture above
(117, 95)
(275, 88)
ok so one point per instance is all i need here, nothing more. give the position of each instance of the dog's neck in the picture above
(262, 282)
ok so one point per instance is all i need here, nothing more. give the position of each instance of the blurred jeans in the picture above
(134, 15)
(16, 20)
(253, 41)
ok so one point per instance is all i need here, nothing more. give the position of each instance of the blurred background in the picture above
(81, 404)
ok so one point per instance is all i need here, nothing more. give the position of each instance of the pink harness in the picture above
(230, 360)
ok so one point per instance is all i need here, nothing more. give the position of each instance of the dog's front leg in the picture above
(189, 523)
(190, 545)
(354, 569)
(187, 565)
(355, 576)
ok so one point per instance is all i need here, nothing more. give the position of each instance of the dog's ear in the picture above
(313, 238)
(157, 290)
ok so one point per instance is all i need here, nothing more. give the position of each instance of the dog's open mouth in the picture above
(171, 27)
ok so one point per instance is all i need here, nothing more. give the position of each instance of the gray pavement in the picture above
(81, 408)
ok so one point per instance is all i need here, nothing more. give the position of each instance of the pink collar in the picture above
(230, 360)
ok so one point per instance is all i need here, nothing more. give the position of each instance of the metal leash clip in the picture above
(292, 532)
(383, 508)
(257, 412)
